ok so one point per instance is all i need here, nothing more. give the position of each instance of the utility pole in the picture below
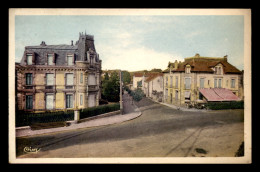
(121, 101)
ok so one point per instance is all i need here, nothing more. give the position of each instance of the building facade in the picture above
(184, 81)
(153, 86)
(58, 77)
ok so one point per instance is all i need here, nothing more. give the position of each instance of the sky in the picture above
(139, 42)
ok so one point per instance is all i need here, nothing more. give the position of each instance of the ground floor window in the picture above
(81, 99)
(200, 96)
(69, 101)
(29, 101)
(49, 101)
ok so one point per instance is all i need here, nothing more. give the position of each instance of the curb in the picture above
(178, 108)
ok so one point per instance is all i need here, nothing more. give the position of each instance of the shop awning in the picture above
(218, 94)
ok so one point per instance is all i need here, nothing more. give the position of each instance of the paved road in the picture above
(159, 132)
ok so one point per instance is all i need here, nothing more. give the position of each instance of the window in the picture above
(29, 102)
(81, 99)
(50, 59)
(219, 83)
(187, 83)
(49, 101)
(166, 81)
(218, 70)
(69, 79)
(70, 60)
(81, 78)
(29, 79)
(215, 83)
(201, 82)
(29, 59)
(188, 69)
(176, 82)
(49, 79)
(92, 80)
(233, 83)
(171, 81)
(69, 101)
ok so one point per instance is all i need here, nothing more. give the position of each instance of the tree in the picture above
(126, 77)
(111, 88)
(106, 76)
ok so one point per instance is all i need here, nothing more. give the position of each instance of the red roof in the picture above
(138, 74)
(205, 64)
(153, 76)
(218, 94)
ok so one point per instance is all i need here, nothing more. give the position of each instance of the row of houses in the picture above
(195, 80)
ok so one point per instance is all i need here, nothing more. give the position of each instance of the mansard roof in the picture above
(79, 50)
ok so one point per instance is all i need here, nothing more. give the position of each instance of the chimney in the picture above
(72, 42)
(175, 64)
(225, 58)
(43, 43)
(197, 55)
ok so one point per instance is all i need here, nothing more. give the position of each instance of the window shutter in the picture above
(69, 79)
(54, 58)
(33, 58)
(50, 79)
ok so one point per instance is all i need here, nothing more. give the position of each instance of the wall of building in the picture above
(135, 80)
(170, 95)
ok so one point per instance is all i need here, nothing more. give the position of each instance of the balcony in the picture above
(92, 88)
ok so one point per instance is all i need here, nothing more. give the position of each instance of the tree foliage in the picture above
(126, 77)
(111, 88)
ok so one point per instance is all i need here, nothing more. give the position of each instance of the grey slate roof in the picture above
(56, 47)
(79, 49)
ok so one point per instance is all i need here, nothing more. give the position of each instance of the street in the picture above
(159, 132)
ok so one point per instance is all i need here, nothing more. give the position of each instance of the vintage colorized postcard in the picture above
(130, 86)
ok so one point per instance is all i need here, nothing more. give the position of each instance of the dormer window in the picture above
(50, 59)
(218, 70)
(187, 69)
(29, 59)
(70, 60)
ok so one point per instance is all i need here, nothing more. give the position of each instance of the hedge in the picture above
(93, 111)
(26, 118)
(225, 105)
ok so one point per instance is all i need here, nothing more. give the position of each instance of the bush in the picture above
(225, 105)
(93, 111)
(137, 94)
(26, 118)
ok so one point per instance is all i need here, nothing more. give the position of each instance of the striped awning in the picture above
(218, 94)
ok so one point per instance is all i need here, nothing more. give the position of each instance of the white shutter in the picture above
(49, 101)
(50, 79)
(29, 59)
(91, 79)
(70, 60)
(69, 79)
(50, 59)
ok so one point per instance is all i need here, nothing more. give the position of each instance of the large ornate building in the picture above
(58, 77)
(202, 79)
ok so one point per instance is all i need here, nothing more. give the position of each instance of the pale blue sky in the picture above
(139, 42)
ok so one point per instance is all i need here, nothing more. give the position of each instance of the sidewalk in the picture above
(131, 111)
(180, 108)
